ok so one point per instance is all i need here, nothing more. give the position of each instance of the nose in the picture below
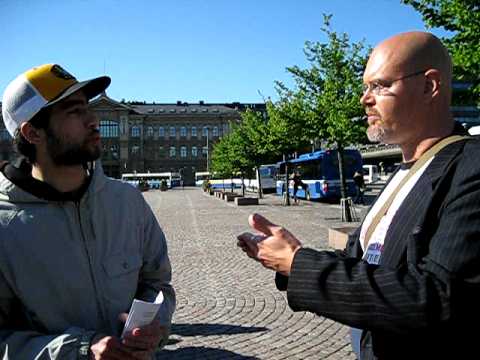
(367, 98)
(92, 120)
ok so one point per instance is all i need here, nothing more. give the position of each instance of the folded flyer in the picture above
(142, 313)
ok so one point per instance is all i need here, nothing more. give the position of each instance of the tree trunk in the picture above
(243, 185)
(287, 199)
(259, 189)
(343, 186)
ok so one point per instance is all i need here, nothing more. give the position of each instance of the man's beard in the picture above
(376, 133)
(68, 154)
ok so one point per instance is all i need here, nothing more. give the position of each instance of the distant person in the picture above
(76, 247)
(410, 275)
(359, 187)
(297, 183)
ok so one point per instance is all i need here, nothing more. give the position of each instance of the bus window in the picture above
(319, 170)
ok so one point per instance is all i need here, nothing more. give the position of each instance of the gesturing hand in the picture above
(274, 246)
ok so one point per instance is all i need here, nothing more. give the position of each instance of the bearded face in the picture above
(67, 152)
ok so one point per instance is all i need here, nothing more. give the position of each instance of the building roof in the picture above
(182, 108)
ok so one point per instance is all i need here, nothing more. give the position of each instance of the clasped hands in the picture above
(273, 246)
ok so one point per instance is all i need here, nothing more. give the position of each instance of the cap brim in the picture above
(91, 88)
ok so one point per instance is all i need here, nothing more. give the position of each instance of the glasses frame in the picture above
(377, 88)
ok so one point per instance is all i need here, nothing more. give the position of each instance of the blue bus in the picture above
(319, 171)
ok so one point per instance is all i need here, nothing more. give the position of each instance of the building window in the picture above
(135, 149)
(194, 131)
(173, 151)
(161, 132)
(161, 153)
(183, 151)
(205, 131)
(215, 131)
(194, 151)
(225, 129)
(183, 131)
(204, 151)
(135, 131)
(108, 129)
(150, 131)
(172, 131)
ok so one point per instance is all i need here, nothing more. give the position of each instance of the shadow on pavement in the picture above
(200, 352)
(212, 329)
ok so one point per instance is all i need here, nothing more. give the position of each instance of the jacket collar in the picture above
(18, 185)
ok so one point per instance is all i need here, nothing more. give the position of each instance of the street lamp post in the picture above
(207, 150)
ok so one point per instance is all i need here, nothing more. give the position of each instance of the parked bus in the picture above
(319, 171)
(268, 177)
(226, 184)
(152, 179)
(201, 176)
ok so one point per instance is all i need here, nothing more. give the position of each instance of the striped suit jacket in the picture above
(423, 299)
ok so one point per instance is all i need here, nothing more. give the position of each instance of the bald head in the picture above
(411, 52)
(408, 91)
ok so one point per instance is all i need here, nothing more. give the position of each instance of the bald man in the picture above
(410, 276)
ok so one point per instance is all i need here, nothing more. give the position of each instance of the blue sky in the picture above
(189, 50)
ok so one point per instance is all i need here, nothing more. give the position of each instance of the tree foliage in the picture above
(333, 87)
(462, 17)
(322, 106)
(329, 91)
(287, 123)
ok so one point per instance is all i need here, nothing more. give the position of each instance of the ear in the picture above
(31, 133)
(432, 87)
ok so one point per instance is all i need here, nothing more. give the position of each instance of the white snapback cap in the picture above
(41, 87)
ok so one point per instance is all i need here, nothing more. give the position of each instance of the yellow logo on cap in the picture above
(50, 80)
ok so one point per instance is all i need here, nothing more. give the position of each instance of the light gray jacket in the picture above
(68, 270)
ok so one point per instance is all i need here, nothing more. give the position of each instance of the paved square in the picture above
(227, 304)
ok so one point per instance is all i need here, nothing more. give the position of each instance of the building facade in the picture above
(141, 137)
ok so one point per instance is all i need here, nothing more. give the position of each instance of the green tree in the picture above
(287, 120)
(462, 18)
(329, 91)
(255, 132)
(220, 163)
(232, 155)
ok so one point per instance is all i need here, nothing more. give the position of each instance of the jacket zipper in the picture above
(92, 276)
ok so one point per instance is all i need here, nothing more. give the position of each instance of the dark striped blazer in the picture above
(423, 299)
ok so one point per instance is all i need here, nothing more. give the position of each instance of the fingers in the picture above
(109, 347)
(145, 338)
(123, 317)
(248, 243)
(261, 224)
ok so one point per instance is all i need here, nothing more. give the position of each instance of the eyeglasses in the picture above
(380, 87)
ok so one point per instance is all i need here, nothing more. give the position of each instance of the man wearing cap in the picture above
(76, 247)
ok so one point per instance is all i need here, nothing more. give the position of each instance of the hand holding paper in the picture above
(142, 313)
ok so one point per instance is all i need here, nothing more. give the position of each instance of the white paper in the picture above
(142, 313)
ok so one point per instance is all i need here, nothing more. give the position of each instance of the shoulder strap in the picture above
(426, 156)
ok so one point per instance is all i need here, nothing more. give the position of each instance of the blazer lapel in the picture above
(409, 221)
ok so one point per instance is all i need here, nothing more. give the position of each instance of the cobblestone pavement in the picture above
(227, 304)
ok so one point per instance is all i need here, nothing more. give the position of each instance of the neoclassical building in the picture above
(153, 137)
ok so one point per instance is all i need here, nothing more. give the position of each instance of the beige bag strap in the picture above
(426, 156)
